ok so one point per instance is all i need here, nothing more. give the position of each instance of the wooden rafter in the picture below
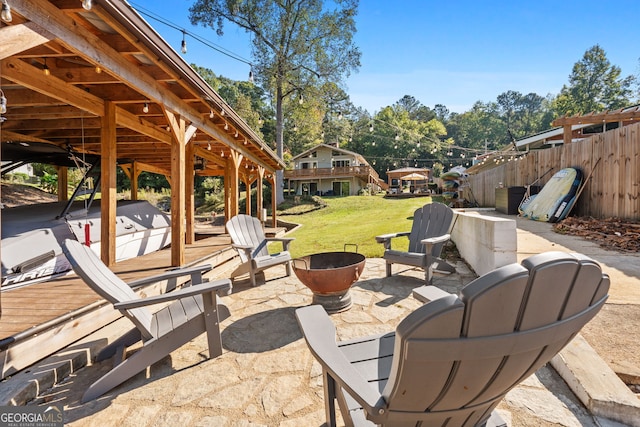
(604, 117)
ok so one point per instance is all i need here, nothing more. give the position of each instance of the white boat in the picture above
(31, 236)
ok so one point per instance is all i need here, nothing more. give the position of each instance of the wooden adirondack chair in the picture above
(247, 237)
(429, 233)
(451, 361)
(192, 310)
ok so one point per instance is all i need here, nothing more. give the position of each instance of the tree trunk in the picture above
(279, 181)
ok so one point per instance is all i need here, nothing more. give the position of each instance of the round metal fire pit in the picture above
(329, 275)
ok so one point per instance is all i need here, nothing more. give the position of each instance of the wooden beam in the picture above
(274, 199)
(21, 37)
(606, 117)
(235, 159)
(22, 73)
(189, 190)
(63, 183)
(135, 173)
(259, 195)
(108, 186)
(177, 181)
(567, 134)
(77, 39)
(29, 76)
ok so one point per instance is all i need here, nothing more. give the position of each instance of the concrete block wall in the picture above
(484, 242)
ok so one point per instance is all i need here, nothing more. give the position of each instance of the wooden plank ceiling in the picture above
(61, 64)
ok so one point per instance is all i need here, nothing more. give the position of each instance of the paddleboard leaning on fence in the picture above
(556, 199)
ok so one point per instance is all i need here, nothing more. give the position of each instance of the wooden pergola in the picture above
(624, 116)
(103, 82)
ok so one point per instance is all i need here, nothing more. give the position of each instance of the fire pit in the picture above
(329, 275)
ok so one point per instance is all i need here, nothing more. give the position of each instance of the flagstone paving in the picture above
(267, 377)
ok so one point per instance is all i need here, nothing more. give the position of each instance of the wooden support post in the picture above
(178, 154)
(234, 164)
(259, 193)
(247, 185)
(227, 191)
(568, 135)
(274, 200)
(63, 183)
(134, 181)
(189, 192)
(108, 185)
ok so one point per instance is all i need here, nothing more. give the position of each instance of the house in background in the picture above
(328, 170)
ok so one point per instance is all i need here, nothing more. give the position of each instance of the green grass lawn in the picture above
(354, 220)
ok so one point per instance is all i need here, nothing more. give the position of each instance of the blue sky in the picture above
(444, 52)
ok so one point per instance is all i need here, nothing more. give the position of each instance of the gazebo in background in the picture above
(417, 180)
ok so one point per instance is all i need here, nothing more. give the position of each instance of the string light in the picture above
(250, 76)
(183, 47)
(211, 114)
(45, 68)
(145, 109)
(6, 12)
(98, 69)
(86, 4)
(300, 100)
(3, 103)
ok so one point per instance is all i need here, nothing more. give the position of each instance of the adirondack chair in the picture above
(247, 237)
(191, 311)
(452, 360)
(429, 233)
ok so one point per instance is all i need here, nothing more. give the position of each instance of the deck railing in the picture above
(338, 172)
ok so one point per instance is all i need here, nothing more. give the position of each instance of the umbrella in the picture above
(413, 177)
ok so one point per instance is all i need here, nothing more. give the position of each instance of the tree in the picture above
(296, 45)
(523, 114)
(594, 85)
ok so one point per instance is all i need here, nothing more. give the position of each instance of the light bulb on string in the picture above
(145, 109)
(45, 68)
(250, 76)
(183, 47)
(6, 12)
(87, 4)
(3, 103)
(300, 100)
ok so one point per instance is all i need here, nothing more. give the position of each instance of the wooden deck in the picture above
(40, 319)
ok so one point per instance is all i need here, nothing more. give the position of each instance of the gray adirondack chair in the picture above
(191, 311)
(452, 360)
(247, 237)
(429, 232)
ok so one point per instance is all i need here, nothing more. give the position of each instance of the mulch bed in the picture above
(610, 233)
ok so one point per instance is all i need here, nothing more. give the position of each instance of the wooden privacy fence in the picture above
(612, 190)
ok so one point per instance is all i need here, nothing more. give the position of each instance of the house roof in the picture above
(110, 57)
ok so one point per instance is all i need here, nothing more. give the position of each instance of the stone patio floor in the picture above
(267, 377)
